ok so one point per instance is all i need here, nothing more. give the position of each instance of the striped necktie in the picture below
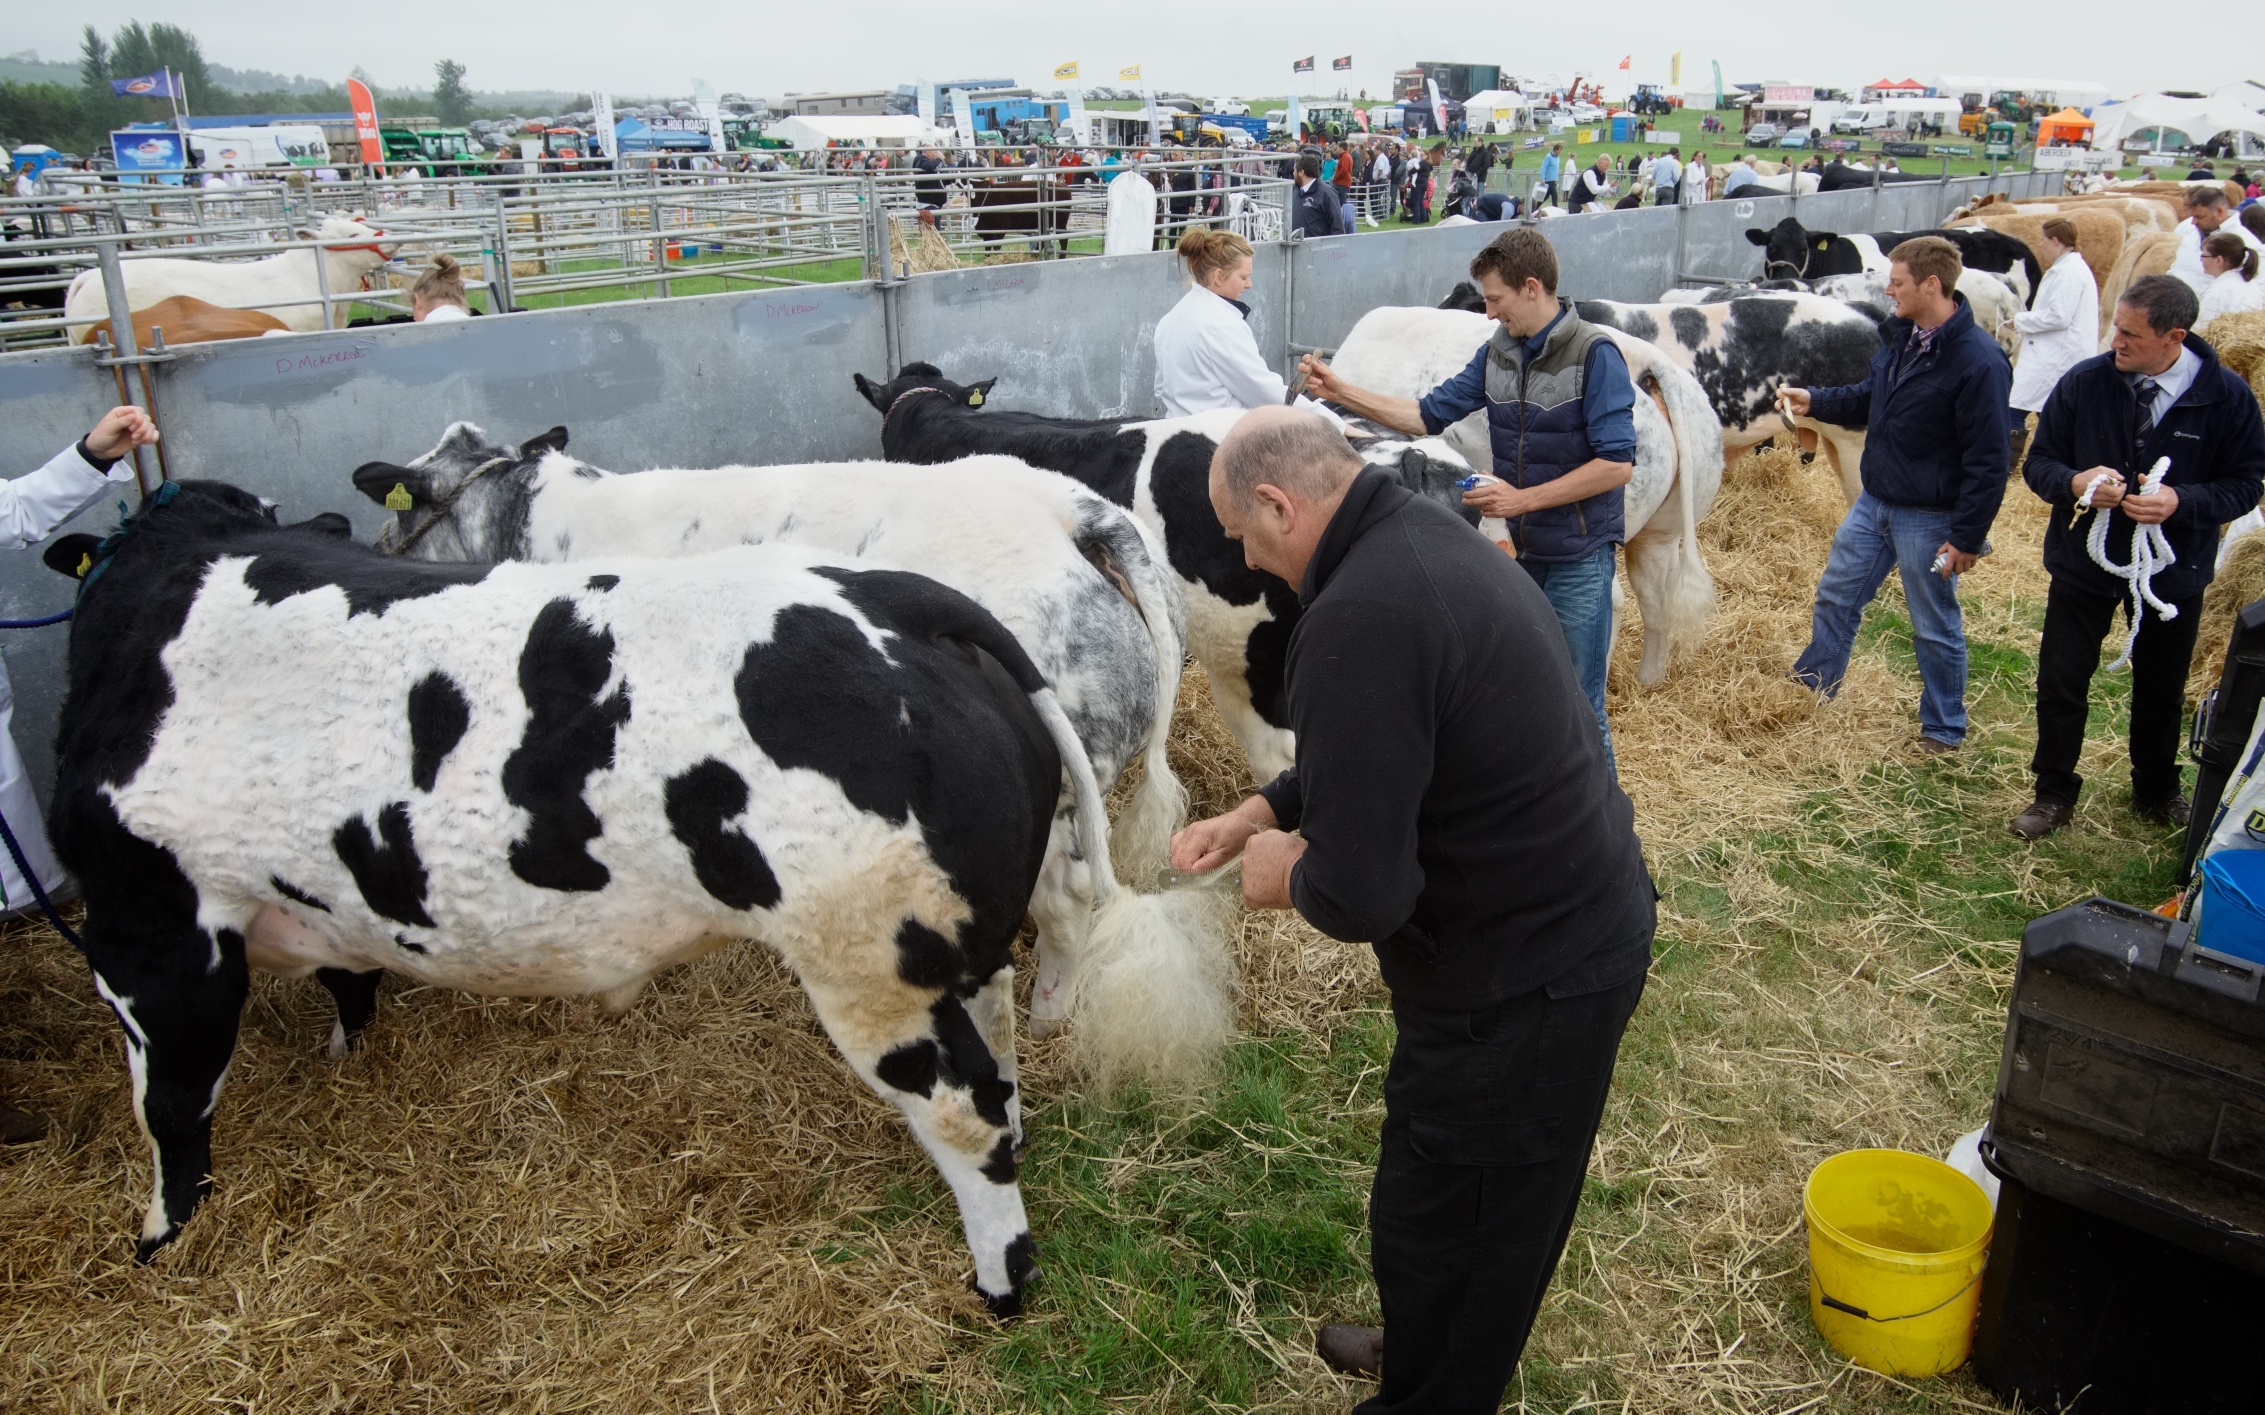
(2146, 390)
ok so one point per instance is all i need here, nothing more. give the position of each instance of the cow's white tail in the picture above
(1695, 433)
(1159, 806)
(1152, 995)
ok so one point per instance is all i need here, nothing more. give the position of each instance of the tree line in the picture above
(81, 119)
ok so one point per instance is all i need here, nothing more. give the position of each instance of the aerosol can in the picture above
(1472, 483)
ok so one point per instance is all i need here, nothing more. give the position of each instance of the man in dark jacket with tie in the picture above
(1456, 811)
(1935, 462)
(2161, 393)
(1317, 205)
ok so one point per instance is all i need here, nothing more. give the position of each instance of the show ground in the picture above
(527, 1206)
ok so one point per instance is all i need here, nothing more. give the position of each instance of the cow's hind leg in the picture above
(356, 996)
(1062, 907)
(927, 1053)
(178, 996)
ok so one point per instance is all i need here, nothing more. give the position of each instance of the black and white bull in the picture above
(283, 750)
(1239, 619)
(1792, 251)
(1071, 575)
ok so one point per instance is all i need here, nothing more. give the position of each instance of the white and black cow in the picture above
(1841, 177)
(1792, 251)
(1071, 575)
(1993, 301)
(1239, 619)
(1743, 350)
(287, 751)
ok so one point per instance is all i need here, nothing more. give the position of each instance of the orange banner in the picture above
(365, 120)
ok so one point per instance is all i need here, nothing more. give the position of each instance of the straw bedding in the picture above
(526, 1205)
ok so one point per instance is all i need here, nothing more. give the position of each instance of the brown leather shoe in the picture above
(2171, 810)
(1355, 1351)
(19, 1127)
(2042, 818)
(1933, 747)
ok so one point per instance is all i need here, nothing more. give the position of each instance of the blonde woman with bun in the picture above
(438, 295)
(1205, 355)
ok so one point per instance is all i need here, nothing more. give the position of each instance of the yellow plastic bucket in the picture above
(1896, 1247)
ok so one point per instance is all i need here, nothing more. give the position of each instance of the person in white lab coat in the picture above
(2233, 269)
(2059, 330)
(2207, 212)
(31, 507)
(1206, 357)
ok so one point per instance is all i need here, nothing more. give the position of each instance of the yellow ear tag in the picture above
(399, 499)
(86, 563)
(975, 397)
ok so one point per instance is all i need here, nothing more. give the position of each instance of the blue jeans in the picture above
(1581, 593)
(1874, 539)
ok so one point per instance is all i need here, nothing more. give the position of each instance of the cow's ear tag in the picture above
(975, 397)
(86, 563)
(399, 499)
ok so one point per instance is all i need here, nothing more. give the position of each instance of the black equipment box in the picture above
(2132, 1085)
(2083, 1315)
(2222, 726)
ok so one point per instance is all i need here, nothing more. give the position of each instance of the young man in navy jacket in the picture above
(1935, 462)
(2161, 393)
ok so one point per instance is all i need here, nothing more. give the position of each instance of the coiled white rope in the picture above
(2150, 551)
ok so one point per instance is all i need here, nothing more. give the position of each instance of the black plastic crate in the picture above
(2132, 1085)
(2084, 1315)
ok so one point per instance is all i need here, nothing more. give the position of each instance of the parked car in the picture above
(1764, 133)
(1798, 137)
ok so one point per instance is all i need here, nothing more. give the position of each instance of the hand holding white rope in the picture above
(2150, 551)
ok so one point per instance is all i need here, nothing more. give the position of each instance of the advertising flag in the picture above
(1066, 71)
(1624, 60)
(601, 111)
(1438, 106)
(1302, 66)
(1341, 63)
(161, 84)
(1130, 73)
(1675, 70)
(365, 120)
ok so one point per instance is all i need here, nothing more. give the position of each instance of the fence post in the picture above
(122, 337)
(322, 288)
(502, 257)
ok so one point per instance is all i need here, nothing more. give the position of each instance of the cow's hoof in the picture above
(147, 1248)
(1004, 1308)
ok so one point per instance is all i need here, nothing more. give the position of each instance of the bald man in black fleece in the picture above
(1456, 810)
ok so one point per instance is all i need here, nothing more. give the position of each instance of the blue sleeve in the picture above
(1608, 401)
(1465, 394)
(1850, 406)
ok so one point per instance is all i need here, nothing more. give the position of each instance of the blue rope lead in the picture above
(35, 623)
(46, 905)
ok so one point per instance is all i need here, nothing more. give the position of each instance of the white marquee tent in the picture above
(857, 130)
(2200, 119)
(1505, 109)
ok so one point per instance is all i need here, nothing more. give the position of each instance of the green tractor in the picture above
(436, 152)
(2000, 139)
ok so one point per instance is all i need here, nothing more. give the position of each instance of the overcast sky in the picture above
(770, 48)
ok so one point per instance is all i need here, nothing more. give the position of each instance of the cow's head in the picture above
(443, 496)
(351, 237)
(1426, 466)
(1465, 296)
(197, 509)
(1791, 251)
(914, 378)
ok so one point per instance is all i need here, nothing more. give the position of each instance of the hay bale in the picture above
(2240, 342)
(2240, 581)
(932, 252)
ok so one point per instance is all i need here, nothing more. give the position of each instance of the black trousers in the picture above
(1489, 1117)
(2076, 621)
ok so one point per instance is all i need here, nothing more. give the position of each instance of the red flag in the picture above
(1624, 60)
(365, 120)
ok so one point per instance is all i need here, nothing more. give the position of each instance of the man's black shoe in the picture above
(2170, 810)
(2042, 818)
(1354, 1351)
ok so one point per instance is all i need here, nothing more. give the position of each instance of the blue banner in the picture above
(161, 84)
(148, 155)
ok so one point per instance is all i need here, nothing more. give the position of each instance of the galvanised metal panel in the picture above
(1071, 338)
(48, 400)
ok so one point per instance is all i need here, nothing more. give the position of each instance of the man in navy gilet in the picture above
(1561, 419)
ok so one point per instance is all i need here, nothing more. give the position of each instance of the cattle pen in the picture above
(528, 1205)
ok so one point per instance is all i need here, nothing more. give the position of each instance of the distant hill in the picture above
(27, 67)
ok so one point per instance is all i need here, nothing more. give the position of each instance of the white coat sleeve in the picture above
(2056, 307)
(2187, 263)
(1231, 354)
(36, 503)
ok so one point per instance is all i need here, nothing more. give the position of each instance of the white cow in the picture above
(1405, 352)
(1074, 578)
(272, 283)
(1992, 299)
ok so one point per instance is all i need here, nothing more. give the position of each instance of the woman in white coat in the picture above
(1206, 357)
(2059, 330)
(2234, 286)
(31, 507)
